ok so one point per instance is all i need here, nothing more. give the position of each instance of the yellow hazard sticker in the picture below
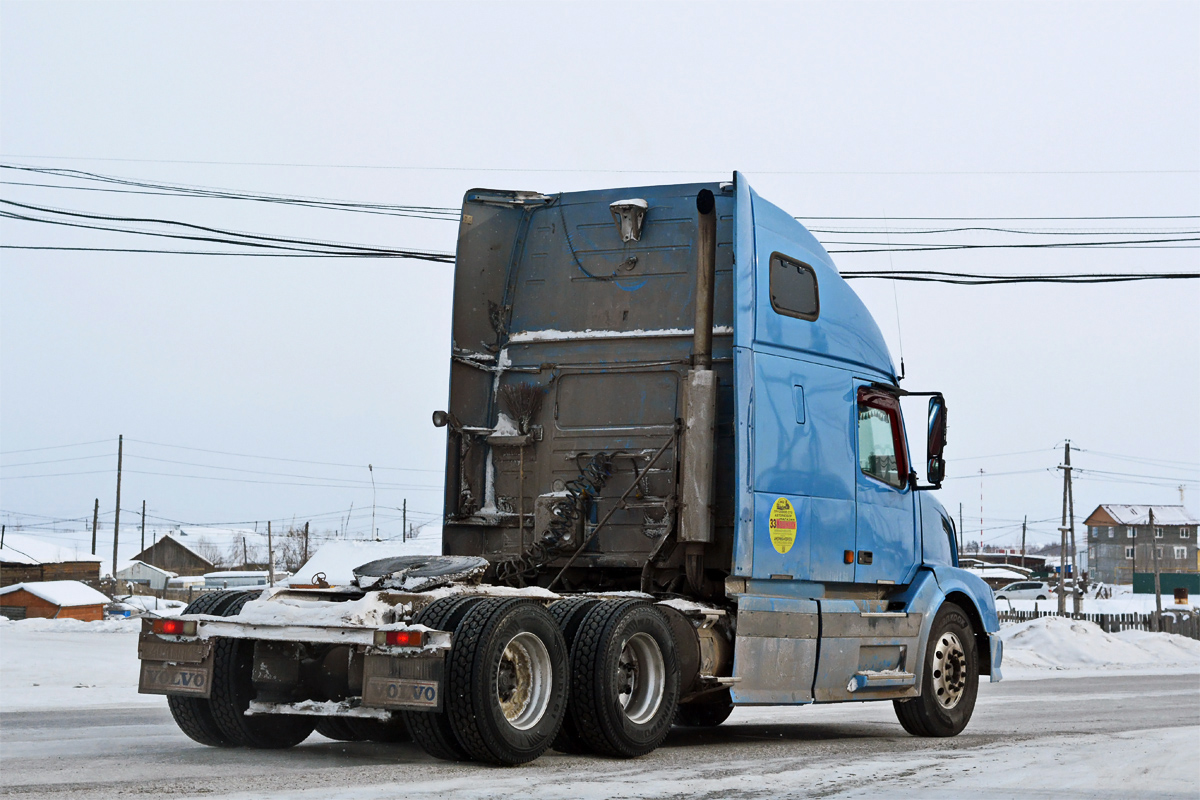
(783, 525)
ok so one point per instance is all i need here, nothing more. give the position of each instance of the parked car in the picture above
(1025, 590)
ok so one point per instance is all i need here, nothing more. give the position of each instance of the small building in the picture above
(143, 574)
(1120, 541)
(52, 599)
(168, 553)
(30, 559)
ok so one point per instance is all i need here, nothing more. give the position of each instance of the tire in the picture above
(194, 715)
(339, 729)
(569, 614)
(625, 678)
(1001, 597)
(1043, 597)
(951, 680)
(233, 689)
(509, 674)
(707, 712)
(432, 729)
(376, 730)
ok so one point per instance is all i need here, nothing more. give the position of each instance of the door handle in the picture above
(864, 556)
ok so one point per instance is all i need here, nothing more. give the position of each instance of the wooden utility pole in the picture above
(2, 529)
(1157, 576)
(270, 557)
(143, 525)
(95, 523)
(245, 556)
(117, 517)
(1062, 531)
(306, 543)
(404, 520)
(1076, 594)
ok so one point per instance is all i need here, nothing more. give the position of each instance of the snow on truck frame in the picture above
(677, 480)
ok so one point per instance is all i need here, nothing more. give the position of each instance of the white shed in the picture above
(145, 574)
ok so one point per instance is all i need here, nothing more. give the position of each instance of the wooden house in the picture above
(53, 599)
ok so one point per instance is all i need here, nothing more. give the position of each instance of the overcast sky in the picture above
(830, 109)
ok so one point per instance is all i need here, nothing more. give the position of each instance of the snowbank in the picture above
(69, 663)
(1061, 644)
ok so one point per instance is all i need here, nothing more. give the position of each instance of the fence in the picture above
(1184, 623)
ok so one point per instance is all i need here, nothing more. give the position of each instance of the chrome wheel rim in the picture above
(949, 670)
(641, 678)
(524, 680)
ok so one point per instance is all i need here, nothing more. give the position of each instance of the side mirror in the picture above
(936, 467)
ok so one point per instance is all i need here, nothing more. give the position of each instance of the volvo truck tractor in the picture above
(677, 482)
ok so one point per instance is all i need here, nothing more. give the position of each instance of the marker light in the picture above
(848, 557)
(400, 638)
(174, 627)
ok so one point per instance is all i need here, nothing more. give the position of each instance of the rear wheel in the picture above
(569, 614)
(508, 681)
(708, 711)
(194, 715)
(233, 689)
(625, 678)
(951, 680)
(432, 729)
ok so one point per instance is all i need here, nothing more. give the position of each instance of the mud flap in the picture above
(407, 683)
(174, 667)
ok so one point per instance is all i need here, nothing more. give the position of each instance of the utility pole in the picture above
(143, 525)
(404, 520)
(1024, 523)
(1076, 594)
(981, 511)
(270, 557)
(95, 522)
(1062, 531)
(245, 556)
(374, 533)
(2, 529)
(306, 543)
(117, 517)
(960, 530)
(1157, 577)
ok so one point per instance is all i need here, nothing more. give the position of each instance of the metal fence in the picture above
(1184, 623)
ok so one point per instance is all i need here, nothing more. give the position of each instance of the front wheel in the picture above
(951, 680)
(1042, 597)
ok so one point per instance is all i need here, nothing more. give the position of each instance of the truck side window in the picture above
(793, 288)
(880, 442)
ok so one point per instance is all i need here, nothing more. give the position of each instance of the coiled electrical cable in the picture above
(565, 514)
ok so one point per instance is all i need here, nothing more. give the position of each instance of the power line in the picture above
(976, 279)
(54, 447)
(277, 458)
(601, 171)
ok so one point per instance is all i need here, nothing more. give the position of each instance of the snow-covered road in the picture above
(1097, 737)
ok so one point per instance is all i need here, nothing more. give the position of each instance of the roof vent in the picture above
(629, 216)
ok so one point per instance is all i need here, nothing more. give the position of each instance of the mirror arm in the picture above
(915, 485)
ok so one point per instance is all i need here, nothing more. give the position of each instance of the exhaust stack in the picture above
(700, 403)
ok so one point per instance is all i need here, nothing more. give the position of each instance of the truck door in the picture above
(886, 534)
(803, 437)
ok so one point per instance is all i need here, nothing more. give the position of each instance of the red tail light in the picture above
(174, 627)
(400, 638)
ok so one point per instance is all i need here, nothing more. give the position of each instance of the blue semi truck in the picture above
(678, 480)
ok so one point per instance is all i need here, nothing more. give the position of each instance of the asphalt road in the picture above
(1086, 737)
